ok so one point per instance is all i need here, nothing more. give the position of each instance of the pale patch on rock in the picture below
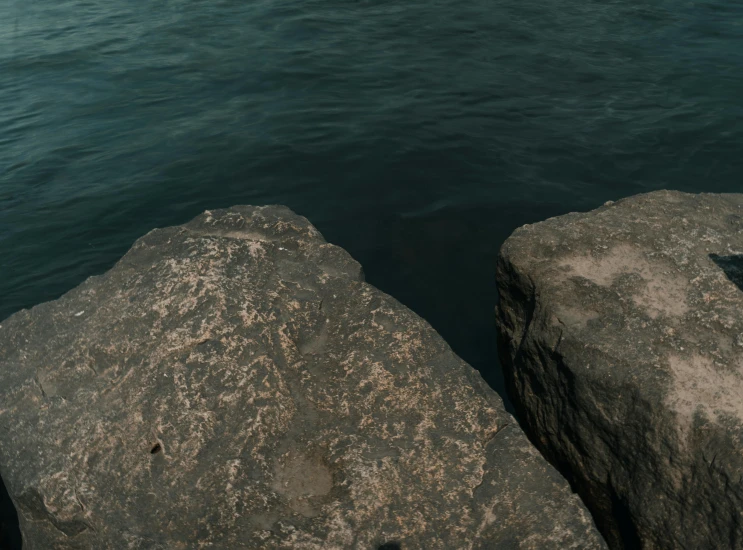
(574, 316)
(663, 292)
(298, 475)
(701, 384)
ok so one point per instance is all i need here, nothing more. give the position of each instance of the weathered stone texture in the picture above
(621, 332)
(234, 383)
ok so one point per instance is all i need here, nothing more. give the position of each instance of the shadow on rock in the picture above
(732, 266)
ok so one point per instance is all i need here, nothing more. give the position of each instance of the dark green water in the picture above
(417, 135)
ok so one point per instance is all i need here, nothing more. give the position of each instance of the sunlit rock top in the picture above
(234, 383)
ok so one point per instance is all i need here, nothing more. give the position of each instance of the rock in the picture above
(233, 383)
(621, 332)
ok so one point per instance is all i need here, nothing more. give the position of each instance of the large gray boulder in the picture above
(234, 384)
(621, 336)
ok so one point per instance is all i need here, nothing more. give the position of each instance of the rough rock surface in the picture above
(621, 334)
(233, 383)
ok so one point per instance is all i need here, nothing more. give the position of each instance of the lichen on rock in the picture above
(234, 383)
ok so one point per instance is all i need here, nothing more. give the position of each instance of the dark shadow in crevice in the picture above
(732, 266)
(627, 530)
(10, 532)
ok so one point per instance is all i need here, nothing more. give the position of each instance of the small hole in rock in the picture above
(389, 546)
(156, 449)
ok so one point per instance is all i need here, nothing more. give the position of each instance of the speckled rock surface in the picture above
(233, 383)
(621, 334)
